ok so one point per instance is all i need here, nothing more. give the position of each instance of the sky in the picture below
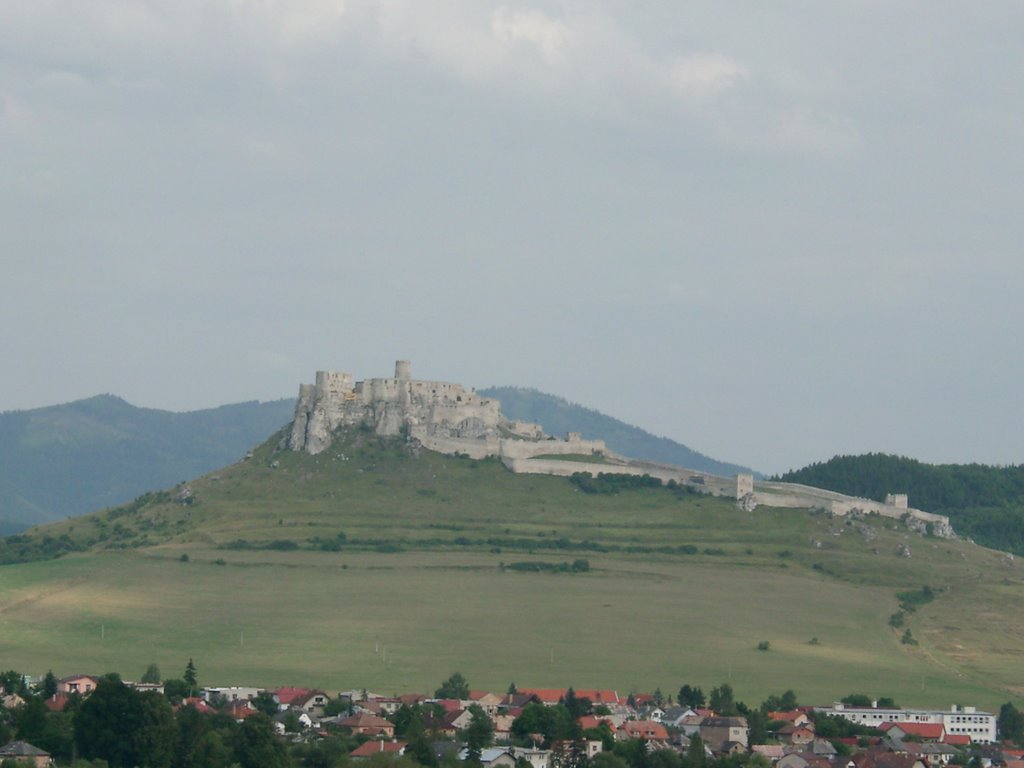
(775, 232)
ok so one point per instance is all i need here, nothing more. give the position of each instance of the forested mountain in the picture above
(69, 459)
(982, 501)
(559, 416)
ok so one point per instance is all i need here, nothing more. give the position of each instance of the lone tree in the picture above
(455, 687)
(152, 674)
(190, 677)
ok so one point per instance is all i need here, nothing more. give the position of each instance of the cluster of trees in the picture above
(612, 482)
(118, 726)
(984, 502)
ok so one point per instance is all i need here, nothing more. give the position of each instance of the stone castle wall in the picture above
(389, 407)
(448, 418)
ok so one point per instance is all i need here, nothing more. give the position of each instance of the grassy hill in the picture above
(69, 459)
(559, 416)
(378, 565)
(983, 502)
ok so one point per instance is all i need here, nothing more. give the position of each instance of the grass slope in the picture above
(681, 588)
(70, 459)
(559, 416)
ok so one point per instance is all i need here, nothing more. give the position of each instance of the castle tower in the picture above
(403, 372)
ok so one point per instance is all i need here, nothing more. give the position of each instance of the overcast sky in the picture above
(772, 231)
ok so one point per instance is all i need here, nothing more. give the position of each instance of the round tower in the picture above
(403, 370)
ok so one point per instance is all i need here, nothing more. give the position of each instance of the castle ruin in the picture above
(389, 407)
(448, 418)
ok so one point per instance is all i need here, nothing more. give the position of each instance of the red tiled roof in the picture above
(196, 702)
(545, 695)
(789, 717)
(598, 696)
(56, 702)
(645, 729)
(921, 730)
(958, 739)
(287, 694)
(593, 721)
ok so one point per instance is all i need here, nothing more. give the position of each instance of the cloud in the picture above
(702, 74)
(547, 35)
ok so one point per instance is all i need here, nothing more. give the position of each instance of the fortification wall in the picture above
(567, 468)
(475, 449)
(786, 501)
(525, 449)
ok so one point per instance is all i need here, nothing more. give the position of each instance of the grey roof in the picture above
(22, 749)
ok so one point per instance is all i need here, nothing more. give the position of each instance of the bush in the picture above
(764, 645)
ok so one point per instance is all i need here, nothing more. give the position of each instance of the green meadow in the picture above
(375, 566)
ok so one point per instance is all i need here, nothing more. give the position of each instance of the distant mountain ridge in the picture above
(558, 416)
(66, 460)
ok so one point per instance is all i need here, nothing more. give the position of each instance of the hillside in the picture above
(983, 502)
(559, 416)
(381, 565)
(66, 460)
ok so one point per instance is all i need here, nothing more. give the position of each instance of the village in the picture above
(90, 720)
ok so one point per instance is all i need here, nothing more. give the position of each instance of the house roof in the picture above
(790, 729)
(789, 717)
(879, 759)
(593, 721)
(365, 720)
(300, 701)
(544, 695)
(196, 702)
(57, 702)
(771, 751)
(287, 695)
(724, 722)
(73, 678)
(369, 748)
(598, 696)
(647, 729)
(921, 730)
(22, 749)
(957, 739)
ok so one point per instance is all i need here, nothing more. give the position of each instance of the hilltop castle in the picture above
(389, 407)
(448, 418)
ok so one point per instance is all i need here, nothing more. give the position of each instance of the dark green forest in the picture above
(983, 502)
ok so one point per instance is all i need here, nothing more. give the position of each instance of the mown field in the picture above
(680, 588)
